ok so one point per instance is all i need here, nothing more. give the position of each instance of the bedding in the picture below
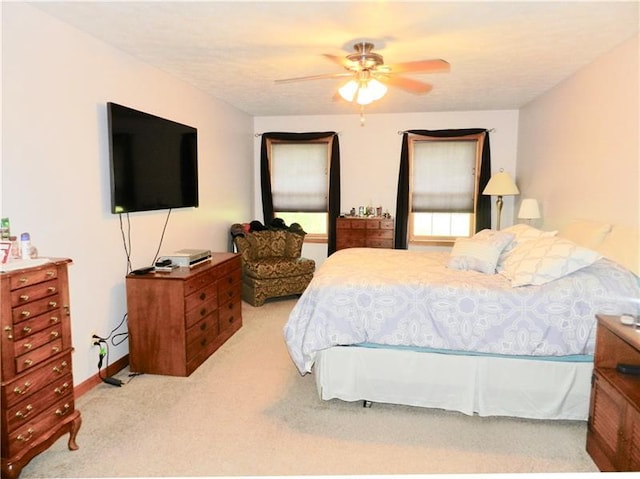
(413, 299)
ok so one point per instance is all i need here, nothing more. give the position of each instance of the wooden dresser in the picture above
(178, 319)
(371, 232)
(613, 435)
(37, 382)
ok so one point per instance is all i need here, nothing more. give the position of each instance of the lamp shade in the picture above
(529, 209)
(501, 184)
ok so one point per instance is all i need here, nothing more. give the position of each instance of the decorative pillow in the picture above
(480, 252)
(523, 232)
(587, 233)
(538, 261)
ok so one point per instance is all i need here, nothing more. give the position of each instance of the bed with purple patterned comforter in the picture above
(412, 299)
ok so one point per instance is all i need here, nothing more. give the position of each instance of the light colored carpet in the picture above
(246, 411)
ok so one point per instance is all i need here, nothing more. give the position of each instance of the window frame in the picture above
(328, 141)
(432, 240)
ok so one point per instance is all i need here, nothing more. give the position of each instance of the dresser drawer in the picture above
(380, 234)
(198, 313)
(33, 325)
(232, 278)
(379, 243)
(29, 433)
(33, 341)
(198, 281)
(34, 292)
(229, 314)
(29, 408)
(227, 268)
(201, 297)
(28, 310)
(34, 357)
(206, 327)
(33, 276)
(33, 381)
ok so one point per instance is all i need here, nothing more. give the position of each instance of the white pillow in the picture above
(538, 261)
(523, 232)
(587, 233)
(480, 252)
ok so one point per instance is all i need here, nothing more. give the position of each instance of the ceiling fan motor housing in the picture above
(364, 58)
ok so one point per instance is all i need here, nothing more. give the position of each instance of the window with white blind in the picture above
(443, 187)
(300, 183)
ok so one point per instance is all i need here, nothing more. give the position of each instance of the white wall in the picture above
(578, 144)
(55, 182)
(370, 154)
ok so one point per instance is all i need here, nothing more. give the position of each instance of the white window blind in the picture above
(299, 179)
(443, 176)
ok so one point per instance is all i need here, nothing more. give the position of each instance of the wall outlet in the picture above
(94, 341)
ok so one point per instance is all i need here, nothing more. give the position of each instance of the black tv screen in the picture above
(153, 161)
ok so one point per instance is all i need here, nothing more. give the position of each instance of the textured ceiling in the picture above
(502, 54)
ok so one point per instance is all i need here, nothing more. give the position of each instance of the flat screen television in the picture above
(153, 161)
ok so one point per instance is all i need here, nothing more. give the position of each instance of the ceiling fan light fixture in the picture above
(348, 90)
(363, 92)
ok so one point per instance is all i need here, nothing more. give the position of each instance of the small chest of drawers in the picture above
(177, 320)
(37, 382)
(371, 232)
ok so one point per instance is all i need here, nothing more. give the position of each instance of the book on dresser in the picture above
(37, 378)
(177, 319)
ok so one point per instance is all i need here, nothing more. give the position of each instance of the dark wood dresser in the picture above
(370, 232)
(613, 435)
(178, 319)
(37, 381)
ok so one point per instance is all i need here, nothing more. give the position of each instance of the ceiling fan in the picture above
(370, 76)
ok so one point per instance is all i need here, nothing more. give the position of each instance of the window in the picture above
(300, 183)
(444, 183)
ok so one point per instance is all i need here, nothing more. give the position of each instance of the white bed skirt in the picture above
(483, 385)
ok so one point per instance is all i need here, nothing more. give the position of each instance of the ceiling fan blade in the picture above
(315, 77)
(412, 86)
(429, 66)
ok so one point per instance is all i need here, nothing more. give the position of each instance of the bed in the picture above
(474, 330)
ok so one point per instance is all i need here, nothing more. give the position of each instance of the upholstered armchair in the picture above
(272, 265)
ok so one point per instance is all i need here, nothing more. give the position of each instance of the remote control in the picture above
(633, 369)
(145, 270)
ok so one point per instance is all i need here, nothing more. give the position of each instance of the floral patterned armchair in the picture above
(272, 265)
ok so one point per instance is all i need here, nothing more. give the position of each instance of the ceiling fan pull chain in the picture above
(361, 115)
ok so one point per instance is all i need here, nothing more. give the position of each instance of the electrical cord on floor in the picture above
(104, 352)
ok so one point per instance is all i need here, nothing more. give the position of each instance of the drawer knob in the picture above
(25, 314)
(65, 409)
(27, 362)
(23, 390)
(26, 329)
(50, 273)
(55, 349)
(23, 280)
(203, 311)
(51, 289)
(24, 297)
(53, 304)
(25, 414)
(202, 296)
(203, 326)
(54, 334)
(230, 305)
(7, 330)
(62, 367)
(231, 319)
(27, 346)
(62, 389)
(53, 319)
(27, 437)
